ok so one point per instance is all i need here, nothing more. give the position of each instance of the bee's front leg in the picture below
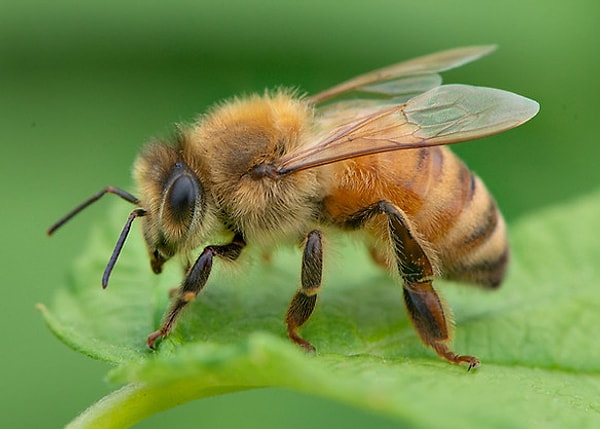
(303, 302)
(194, 282)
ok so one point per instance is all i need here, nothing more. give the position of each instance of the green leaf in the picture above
(537, 336)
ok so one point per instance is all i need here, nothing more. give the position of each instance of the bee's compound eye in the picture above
(182, 197)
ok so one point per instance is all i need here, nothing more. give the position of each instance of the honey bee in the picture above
(366, 155)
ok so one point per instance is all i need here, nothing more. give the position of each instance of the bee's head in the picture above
(173, 205)
(175, 202)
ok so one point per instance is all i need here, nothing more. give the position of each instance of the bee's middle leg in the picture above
(303, 302)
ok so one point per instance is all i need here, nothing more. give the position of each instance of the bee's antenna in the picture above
(108, 190)
(119, 246)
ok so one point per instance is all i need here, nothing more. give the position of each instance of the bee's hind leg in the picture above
(431, 320)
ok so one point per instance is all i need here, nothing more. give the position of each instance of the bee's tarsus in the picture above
(153, 337)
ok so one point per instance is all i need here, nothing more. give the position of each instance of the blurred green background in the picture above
(84, 84)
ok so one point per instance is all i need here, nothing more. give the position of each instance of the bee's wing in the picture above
(407, 78)
(443, 115)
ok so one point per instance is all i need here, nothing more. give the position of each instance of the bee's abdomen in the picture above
(449, 207)
(474, 246)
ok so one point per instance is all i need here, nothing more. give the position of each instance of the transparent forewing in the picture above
(443, 115)
(407, 76)
(455, 113)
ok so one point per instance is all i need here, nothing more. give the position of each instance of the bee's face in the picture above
(175, 202)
